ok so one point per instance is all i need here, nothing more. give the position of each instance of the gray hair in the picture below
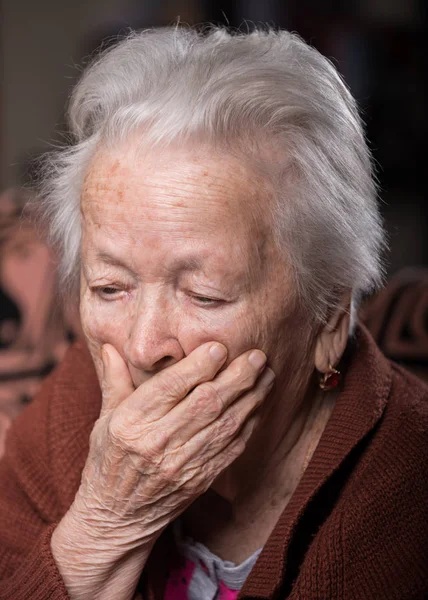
(176, 84)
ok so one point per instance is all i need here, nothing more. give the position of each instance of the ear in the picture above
(333, 337)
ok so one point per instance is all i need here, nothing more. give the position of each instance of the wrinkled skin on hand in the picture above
(156, 448)
(153, 450)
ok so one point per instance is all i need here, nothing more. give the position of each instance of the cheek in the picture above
(104, 323)
(237, 330)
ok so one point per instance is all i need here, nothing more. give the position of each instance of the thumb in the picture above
(116, 384)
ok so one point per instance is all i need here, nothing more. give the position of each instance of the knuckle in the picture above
(235, 450)
(122, 437)
(198, 403)
(116, 432)
(158, 438)
(207, 401)
(229, 425)
(170, 472)
(244, 376)
(105, 390)
(238, 371)
(238, 449)
(153, 445)
(149, 459)
(258, 398)
(171, 384)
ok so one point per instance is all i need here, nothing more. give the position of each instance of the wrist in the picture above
(93, 561)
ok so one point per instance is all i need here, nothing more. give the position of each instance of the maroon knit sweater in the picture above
(355, 528)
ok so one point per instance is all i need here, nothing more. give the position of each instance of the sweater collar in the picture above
(359, 407)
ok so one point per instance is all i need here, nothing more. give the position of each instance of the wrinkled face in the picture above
(177, 250)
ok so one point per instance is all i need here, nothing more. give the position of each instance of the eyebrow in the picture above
(107, 258)
(189, 263)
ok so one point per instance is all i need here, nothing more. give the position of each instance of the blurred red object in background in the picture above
(35, 330)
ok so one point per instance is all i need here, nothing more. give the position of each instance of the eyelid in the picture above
(100, 291)
(206, 301)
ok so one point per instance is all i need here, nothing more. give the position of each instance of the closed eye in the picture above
(205, 301)
(107, 292)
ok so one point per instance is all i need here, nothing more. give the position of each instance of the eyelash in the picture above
(205, 301)
(102, 291)
(108, 292)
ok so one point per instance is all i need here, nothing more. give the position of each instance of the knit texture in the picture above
(355, 528)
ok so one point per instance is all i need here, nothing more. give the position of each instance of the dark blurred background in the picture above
(378, 46)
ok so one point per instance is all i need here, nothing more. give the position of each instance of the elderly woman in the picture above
(226, 429)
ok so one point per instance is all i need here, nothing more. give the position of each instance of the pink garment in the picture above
(179, 581)
(226, 593)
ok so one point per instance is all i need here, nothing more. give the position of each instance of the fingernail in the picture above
(218, 352)
(257, 358)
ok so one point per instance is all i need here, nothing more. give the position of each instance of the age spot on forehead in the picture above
(115, 166)
(225, 190)
(105, 180)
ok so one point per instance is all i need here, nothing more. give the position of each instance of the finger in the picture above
(116, 383)
(163, 391)
(219, 434)
(209, 400)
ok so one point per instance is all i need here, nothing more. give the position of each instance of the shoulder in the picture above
(409, 394)
(403, 430)
(385, 522)
(393, 457)
(392, 400)
(52, 433)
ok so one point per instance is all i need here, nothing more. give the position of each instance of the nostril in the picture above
(164, 362)
(152, 351)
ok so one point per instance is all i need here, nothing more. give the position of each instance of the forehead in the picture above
(172, 184)
(174, 204)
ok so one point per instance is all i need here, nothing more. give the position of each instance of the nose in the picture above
(152, 344)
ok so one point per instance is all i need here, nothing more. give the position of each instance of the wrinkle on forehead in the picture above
(204, 169)
(179, 193)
